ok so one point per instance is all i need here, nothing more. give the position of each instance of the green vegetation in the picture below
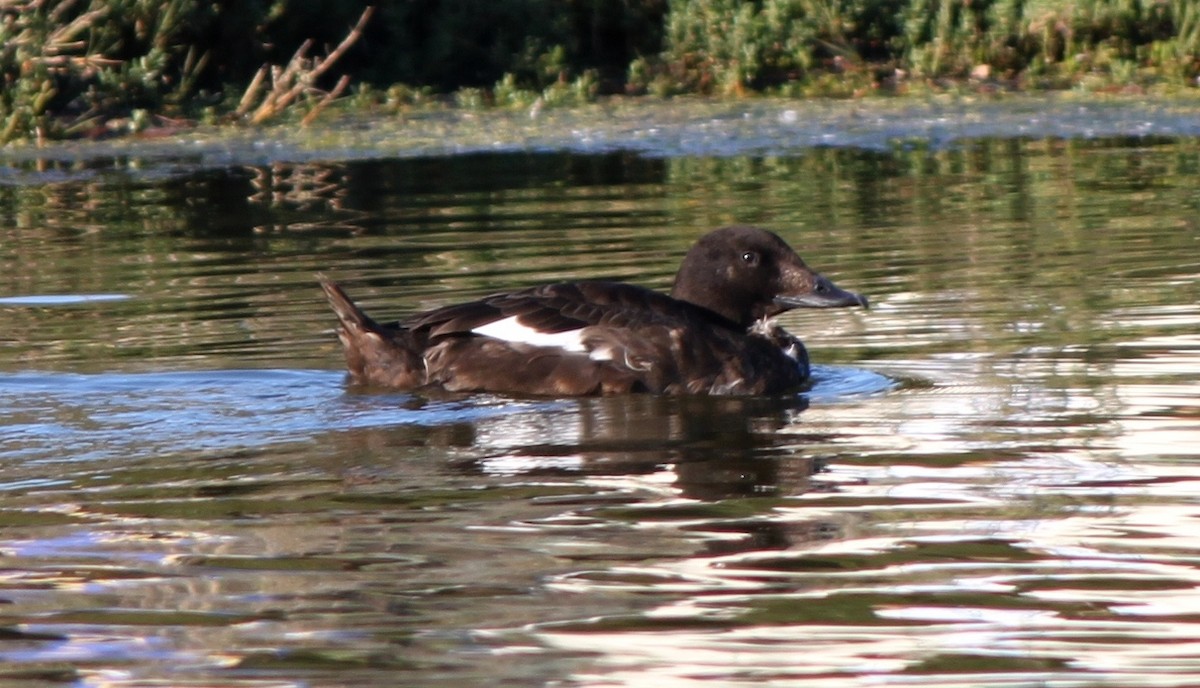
(93, 67)
(732, 46)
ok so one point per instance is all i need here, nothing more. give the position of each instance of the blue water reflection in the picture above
(84, 417)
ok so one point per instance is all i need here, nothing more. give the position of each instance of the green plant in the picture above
(66, 64)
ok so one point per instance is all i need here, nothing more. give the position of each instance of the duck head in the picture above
(747, 274)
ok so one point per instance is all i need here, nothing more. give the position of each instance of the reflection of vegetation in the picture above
(303, 186)
(1051, 234)
(995, 244)
(90, 67)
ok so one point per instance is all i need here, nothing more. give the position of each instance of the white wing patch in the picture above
(511, 330)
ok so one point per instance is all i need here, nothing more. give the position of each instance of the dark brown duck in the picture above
(712, 335)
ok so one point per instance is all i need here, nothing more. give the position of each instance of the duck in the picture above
(713, 334)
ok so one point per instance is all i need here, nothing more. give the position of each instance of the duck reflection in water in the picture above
(710, 449)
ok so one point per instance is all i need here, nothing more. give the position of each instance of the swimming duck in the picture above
(712, 335)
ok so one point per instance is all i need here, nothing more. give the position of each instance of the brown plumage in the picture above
(710, 336)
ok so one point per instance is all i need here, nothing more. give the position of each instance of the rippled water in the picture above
(993, 482)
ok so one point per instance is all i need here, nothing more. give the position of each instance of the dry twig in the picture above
(329, 97)
(298, 77)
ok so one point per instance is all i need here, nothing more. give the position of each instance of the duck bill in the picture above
(822, 294)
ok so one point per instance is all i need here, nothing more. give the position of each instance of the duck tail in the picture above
(375, 354)
(350, 316)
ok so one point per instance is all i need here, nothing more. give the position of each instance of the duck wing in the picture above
(573, 338)
(553, 309)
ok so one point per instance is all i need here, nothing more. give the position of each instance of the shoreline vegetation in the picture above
(101, 68)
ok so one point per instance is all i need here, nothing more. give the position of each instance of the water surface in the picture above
(991, 482)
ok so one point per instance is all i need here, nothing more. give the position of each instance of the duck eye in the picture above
(750, 258)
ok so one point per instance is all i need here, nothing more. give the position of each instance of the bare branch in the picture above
(350, 39)
(329, 97)
(290, 82)
(251, 93)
